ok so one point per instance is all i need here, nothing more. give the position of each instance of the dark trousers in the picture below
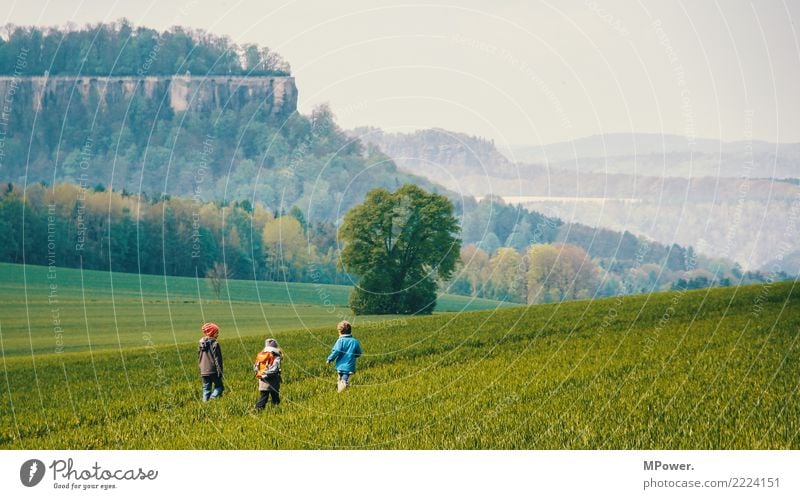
(273, 391)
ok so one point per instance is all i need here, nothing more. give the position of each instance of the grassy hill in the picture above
(706, 369)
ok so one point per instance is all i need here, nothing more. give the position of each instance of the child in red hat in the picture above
(209, 360)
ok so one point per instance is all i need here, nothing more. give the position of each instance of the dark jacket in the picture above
(209, 357)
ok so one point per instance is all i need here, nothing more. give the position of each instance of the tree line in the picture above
(121, 49)
(558, 271)
(94, 228)
(70, 226)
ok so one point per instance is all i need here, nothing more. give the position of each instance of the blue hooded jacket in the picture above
(345, 352)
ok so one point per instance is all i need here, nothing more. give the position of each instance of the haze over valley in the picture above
(732, 200)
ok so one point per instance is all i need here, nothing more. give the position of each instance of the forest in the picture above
(539, 260)
(120, 49)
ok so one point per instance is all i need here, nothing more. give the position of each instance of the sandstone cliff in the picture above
(277, 95)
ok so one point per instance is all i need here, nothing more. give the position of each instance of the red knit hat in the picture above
(210, 329)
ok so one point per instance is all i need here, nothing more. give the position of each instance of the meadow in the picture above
(705, 369)
(67, 310)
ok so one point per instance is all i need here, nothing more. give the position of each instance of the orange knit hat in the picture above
(210, 329)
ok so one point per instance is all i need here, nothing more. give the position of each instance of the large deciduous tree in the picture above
(560, 272)
(508, 274)
(399, 244)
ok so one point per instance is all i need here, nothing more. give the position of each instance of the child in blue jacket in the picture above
(345, 352)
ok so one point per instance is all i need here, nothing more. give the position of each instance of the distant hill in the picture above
(703, 194)
(210, 138)
(440, 155)
(450, 157)
(179, 112)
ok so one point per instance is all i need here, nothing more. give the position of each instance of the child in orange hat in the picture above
(209, 360)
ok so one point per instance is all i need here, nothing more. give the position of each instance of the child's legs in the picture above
(206, 387)
(263, 396)
(218, 388)
(275, 390)
(344, 381)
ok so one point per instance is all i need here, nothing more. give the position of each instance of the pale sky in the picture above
(518, 72)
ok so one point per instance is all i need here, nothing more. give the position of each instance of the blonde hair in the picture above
(344, 327)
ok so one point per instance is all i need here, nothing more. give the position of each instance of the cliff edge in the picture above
(275, 95)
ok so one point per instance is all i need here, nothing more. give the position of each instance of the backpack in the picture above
(263, 361)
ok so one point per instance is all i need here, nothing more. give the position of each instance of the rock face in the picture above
(275, 95)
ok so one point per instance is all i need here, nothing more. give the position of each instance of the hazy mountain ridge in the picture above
(665, 155)
(719, 204)
(422, 152)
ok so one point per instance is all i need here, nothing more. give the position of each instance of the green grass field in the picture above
(100, 310)
(706, 369)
